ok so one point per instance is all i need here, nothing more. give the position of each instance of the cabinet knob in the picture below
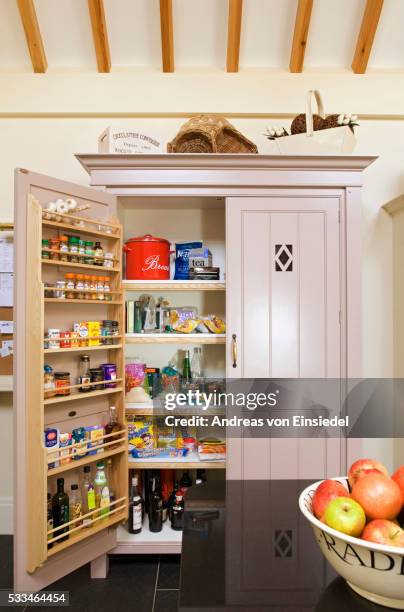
(234, 350)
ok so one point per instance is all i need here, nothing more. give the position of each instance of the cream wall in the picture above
(31, 136)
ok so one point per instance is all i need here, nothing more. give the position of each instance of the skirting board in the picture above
(6, 515)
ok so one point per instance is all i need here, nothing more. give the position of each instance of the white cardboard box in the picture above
(124, 140)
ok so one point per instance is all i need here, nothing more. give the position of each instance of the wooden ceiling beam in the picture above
(234, 35)
(366, 35)
(167, 35)
(100, 35)
(300, 34)
(33, 35)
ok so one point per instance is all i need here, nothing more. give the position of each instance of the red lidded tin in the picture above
(147, 258)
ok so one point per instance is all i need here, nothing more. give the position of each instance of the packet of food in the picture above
(182, 250)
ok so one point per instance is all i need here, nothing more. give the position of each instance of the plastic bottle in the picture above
(102, 499)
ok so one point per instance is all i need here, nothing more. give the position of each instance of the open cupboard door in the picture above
(42, 554)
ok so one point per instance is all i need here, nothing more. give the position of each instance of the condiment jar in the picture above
(89, 253)
(108, 260)
(60, 289)
(70, 285)
(62, 381)
(107, 289)
(45, 249)
(49, 385)
(98, 254)
(53, 338)
(54, 248)
(82, 250)
(86, 282)
(63, 248)
(97, 376)
(100, 287)
(93, 288)
(80, 286)
(74, 249)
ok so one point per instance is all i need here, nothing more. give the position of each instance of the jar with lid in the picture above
(109, 329)
(54, 248)
(108, 260)
(93, 288)
(89, 253)
(70, 280)
(84, 374)
(82, 250)
(62, 382)
(100, 287)
(98, 254)
(74, 249)
(63, 248)
(80, 287)
(86, 283)
(60, 292)
(45, 249)
(48, 382)
(97, 377)
(107, 289)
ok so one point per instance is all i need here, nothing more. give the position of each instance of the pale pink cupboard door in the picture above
(283, 307)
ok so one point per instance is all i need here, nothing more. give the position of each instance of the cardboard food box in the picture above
(124, 140)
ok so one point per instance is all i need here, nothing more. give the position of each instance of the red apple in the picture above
(379, 496)
(384, 532)
(361, 467)
(398, 477)
(325, 492)
(346, 515)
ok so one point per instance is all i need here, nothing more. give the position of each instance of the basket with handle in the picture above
(330, 141)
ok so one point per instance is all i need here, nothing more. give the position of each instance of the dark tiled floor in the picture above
(141, 583)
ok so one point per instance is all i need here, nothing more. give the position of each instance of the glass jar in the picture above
(62, 382)
(70, 280)
(74, 249)
(54, 248)
(86, 283)
(107, 289)
(80, 287)
(48, 382)
(106, 332)
(98, 254)
(45, 249)
(108, 260)
(82, 250)
(63, 248)
(100, 287)
(93, 288)
(97, 376)
(60, 292)
(84, 374)
(89, 253)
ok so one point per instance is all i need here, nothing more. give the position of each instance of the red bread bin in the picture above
(147, 258)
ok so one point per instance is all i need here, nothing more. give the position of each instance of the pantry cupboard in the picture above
(285, 232)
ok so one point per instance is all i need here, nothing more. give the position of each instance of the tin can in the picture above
(109, 370)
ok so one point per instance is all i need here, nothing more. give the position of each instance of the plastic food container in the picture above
(147, 258)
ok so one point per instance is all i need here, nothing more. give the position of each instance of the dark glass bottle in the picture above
(60, 510)
(177, 513)
(171, 499)
(185, 482)
(50, 519)
(135, 508)
(155, 507)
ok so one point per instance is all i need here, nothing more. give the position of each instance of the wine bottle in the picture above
(177, 513)
(185, 482)
(155, 508)
(171, 499)
(60, 510)
(135, 508)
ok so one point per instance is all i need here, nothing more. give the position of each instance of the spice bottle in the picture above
(84, 374)
(107, 289)
(63, 248)
(86, 281)
(93, 288)
(74, 249)
(70, 280)
(80, 287)
(54, 248)
(100, 287)
(98, 254)
(82, 250)
(45, 249)
(89, 253)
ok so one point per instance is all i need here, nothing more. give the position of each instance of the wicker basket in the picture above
(210, 134)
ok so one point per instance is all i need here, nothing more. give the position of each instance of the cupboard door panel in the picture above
(36, 566)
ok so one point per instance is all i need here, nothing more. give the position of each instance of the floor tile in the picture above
(6, 562)
(169, 573)
(166, 601)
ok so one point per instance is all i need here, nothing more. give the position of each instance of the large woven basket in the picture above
(210, 134)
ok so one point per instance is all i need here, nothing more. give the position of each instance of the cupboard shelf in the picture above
(80, 396)
(147, 542)
(81, 230)
(173, 285)
(87, 460)
(175, 338)
(87, 532)
(74, 301)
(69, 264)
(175, 463)
(74, 349)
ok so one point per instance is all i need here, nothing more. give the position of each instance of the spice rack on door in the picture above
(43, 311)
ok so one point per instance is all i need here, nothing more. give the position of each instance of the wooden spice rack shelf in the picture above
(115, 233)
(76, 301)
(77, 463)
(83, 349)
(81, 266)
(80, 396)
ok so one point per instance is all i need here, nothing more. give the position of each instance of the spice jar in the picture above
(82, 250)
(54, 248)
(70, 280)
(107, 289)
(63, 248)
(62, 382)
(60, 289)
(89, 253)
(107, 331)
(109, 374)
(80, 287)
(108, 260)
(74, 249)
(97, 376)
(100, 287)
(48, 382)
(93, 288)
(98, 254)
(86, 282)
(45, 249)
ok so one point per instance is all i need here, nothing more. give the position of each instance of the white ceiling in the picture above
(200, 32)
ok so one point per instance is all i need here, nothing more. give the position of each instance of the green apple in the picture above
(346, 515)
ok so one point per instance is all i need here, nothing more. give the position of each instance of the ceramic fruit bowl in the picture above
(374, 571)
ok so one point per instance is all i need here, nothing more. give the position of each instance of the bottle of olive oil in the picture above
(60, 510)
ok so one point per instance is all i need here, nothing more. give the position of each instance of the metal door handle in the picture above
(234, 350)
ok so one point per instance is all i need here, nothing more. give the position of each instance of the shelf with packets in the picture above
(116, 442)
(174, 338)
(78, 531)
(189, 462)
